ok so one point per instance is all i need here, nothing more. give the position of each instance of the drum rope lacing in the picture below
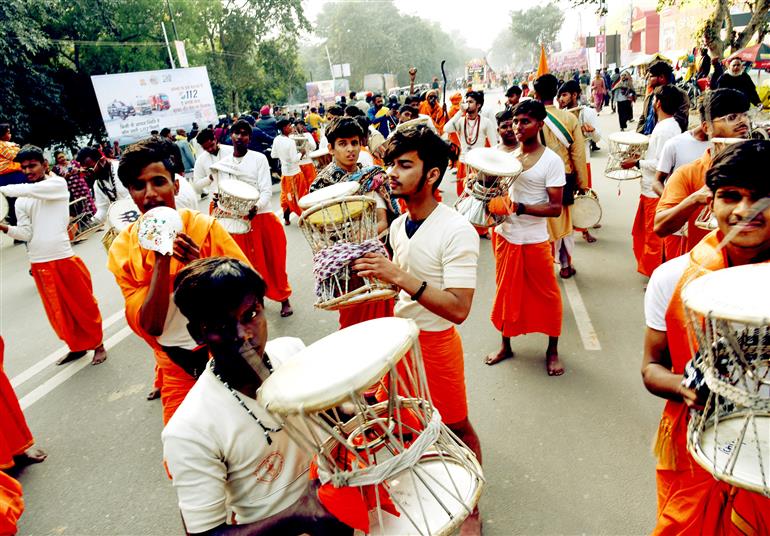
(331, 260)
(376, 474)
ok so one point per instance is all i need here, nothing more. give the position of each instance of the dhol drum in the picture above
(235, 199)
(321, 158)
(419, 478)
(335, 191)
(417, 121)
(625, 146)
(120, 215)
(586, 211)
(300, 141)
(729, 313)
(491, 173)
(341, 229)
(706, 220)
(158, 228)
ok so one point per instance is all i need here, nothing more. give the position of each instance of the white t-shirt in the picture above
(444, 252)
(486, 131)
(203, 169)
(660, 288)
(42, 216)
(255, 170)
(365, 159)
(588, 116)
(221, 466)
(530, 189)
(680, 150)
(285, 150)
(100, 198)
(312, 146)
(663, 132)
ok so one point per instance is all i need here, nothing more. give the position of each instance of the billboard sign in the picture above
(326, 90)
(133, 104)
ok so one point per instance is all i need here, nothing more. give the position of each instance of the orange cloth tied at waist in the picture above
(15, 437)
(11, 504)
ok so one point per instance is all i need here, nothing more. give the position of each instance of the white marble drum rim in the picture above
(492, 161)
(341, 189)
(740, 294)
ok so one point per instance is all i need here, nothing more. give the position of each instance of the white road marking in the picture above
(54, 356)
(69, 371)
(579, 311)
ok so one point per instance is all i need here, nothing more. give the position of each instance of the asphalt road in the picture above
(567, 455)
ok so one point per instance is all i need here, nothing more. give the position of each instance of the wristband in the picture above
(520, 208)
(416, 296)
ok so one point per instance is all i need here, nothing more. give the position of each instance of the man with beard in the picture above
(101, 173)
(434, 110)
(660, 73)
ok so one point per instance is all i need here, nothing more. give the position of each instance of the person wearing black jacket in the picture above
(737, 78)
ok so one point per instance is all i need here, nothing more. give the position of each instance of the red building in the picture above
(645, 31)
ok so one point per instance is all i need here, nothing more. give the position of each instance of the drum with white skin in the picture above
(396, 447)
(491, 174)
(729, 313)
(321, 157)
(625, 146)
(586, 210)
(120, 215)
(235, 198)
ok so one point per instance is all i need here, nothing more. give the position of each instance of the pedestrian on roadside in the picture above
(625, 96)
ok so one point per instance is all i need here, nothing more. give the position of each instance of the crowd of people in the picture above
(210, 361)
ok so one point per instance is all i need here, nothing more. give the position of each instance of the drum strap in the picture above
(558, 129)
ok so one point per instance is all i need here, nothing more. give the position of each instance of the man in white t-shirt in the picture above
(435, 255)
(528, 299)
(205, 178)
(647, 246)
(230, 460)
(293, 183)
(103, 173)
(473, 129)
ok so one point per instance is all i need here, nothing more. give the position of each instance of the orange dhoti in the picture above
(68, 297)
(265, 247)
(462, 172)
(309, 171)
(673, 246)
(293, 188)
(15, 437)
(648, 247)
(174, 383)
(365, 311)
(528, 299)
(442, 353)
(11, 504)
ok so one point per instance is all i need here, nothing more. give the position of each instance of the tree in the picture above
(529, 28)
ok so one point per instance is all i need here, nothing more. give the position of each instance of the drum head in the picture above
(234, 225)
(722, 440)
(239, 189)
(158, 229)
(586, 211)
(493, 162)
(412, 123)
(341, 189)
(740, 293)
(318, 153)
(345, 210)
(629, 138)
(123, 213)
(323, 374)
(3, 207)
(227, 167)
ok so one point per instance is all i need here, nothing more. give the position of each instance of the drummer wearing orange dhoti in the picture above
(145, 277)
(435, 255)
(62, 279)
(527, 299)
(306, 165)
(690, 500)
(293, 182)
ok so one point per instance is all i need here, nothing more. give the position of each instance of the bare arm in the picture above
(669, 221)
(656, 370)
(660, 180)
(382, 220)
(152, 315)
(551, 209)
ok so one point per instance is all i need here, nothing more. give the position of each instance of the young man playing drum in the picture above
(234, 468)
(508, 142)
(527, 299)
(723, 115)
(435, 255)
(265, 244)
(690, 500)
(213, 152)
(62, 279)
(293, 183)
(145, 277)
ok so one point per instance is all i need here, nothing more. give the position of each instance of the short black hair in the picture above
(30, 152)
(513, 90)
(669, 97)
(4, 128)
(660, 68)
(281, 124)
(570, 86)
(165, 131)
(409, 108)
(336, 111)
(531, 107)
(431, 149)
(88, 152)
(313, 109)
(721, 102)
(204, 135)
(741, 164)
(344, 127)
(478, 96)
(241, 126)
(214, 286)
(505, 115)
(545, 86)
(353, 111)
(352, 94)
(141, 154)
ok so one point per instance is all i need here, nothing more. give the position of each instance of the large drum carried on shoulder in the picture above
(491, 174)
(120, 215)
(729, 314)
(418, 478)
(321, 157)
(235, 198)
(625, 146)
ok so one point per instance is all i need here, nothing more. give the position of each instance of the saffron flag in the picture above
(542, 65)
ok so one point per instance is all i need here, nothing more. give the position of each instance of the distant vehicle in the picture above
(160, 102)
(120, 109)
(143, 107)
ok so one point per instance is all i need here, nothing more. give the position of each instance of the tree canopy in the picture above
(531, 27)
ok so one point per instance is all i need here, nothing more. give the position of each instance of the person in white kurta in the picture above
(205, 178)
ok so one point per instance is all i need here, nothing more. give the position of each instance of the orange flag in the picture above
(542, 65)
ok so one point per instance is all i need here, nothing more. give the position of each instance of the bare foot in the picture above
(286, 309)
(154, 394)
(472, 524)
(553, 365)
(100, 355)
(72, 356)
(588, 237)
(30, 456)
(495, 357)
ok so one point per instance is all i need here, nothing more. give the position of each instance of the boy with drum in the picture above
(145, 277)
(293, 182)
(62, 279)
(527, 299)
(690, 500)
(235, 469)
(435, 255)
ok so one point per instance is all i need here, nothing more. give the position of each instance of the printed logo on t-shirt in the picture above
(270, 468)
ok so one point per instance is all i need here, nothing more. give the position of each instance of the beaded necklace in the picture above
(477, 124)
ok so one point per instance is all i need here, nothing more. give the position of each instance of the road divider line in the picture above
(54, 356)
(579, 311)
(69, 371)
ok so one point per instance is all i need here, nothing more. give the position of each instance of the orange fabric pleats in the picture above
(68, 297)
(442, 353)
(15, 437)
(528, 299)
(265, 247)
(673, 246)
(365, 311)
(293, 188)
(462, 172)
(11, 504)
(647, 246)
(309, 171)
(174, 384)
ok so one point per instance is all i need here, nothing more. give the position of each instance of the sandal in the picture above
(566, 273)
